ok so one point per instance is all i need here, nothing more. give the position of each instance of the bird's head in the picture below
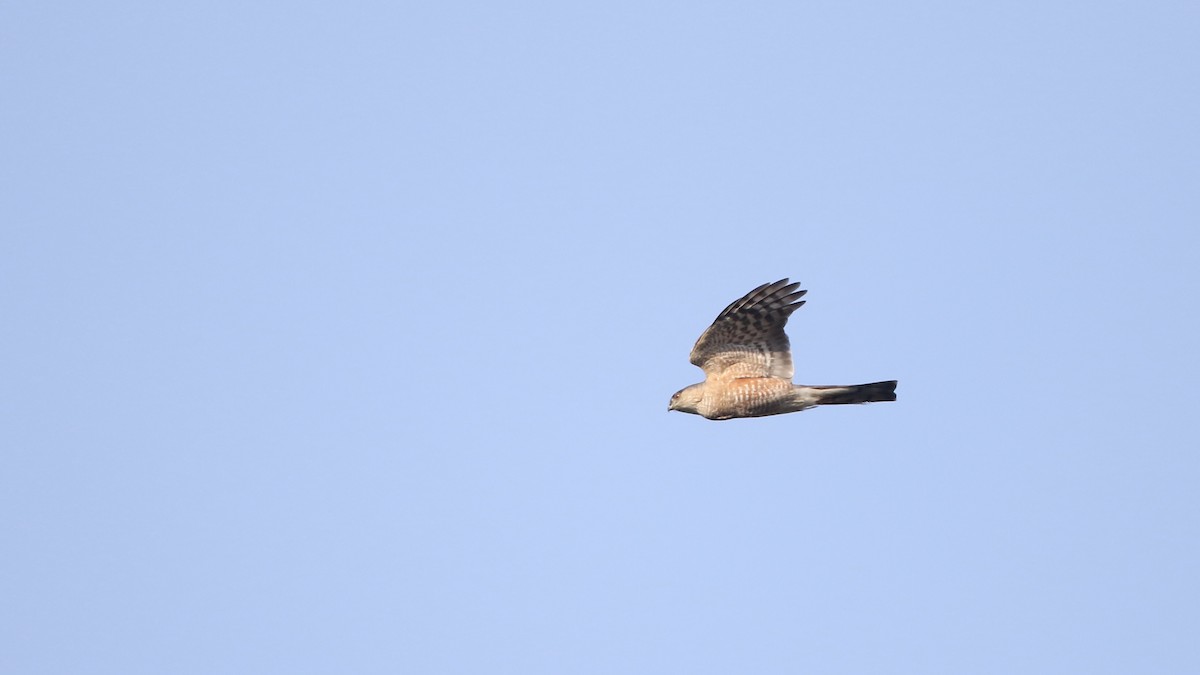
(687, 399)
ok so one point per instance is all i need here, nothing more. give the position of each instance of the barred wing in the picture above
(747, 339)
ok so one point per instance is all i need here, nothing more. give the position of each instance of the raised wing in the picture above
(747, 339)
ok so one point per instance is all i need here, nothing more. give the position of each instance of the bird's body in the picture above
(747, 362)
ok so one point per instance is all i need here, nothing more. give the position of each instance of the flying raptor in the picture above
(747, 363)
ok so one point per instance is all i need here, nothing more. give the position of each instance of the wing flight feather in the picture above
(748, 339)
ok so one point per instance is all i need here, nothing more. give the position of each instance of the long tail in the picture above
(854, 393)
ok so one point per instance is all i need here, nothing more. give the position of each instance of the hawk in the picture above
(747, 363)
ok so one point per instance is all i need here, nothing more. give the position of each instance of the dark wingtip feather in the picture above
(782, 291)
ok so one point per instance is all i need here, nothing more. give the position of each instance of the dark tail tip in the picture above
(860, 393)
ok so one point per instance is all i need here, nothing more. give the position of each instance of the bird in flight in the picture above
(747, 363)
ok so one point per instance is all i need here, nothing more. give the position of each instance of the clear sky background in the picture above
(338, 337)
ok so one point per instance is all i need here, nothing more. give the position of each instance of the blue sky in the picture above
(338, 338)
